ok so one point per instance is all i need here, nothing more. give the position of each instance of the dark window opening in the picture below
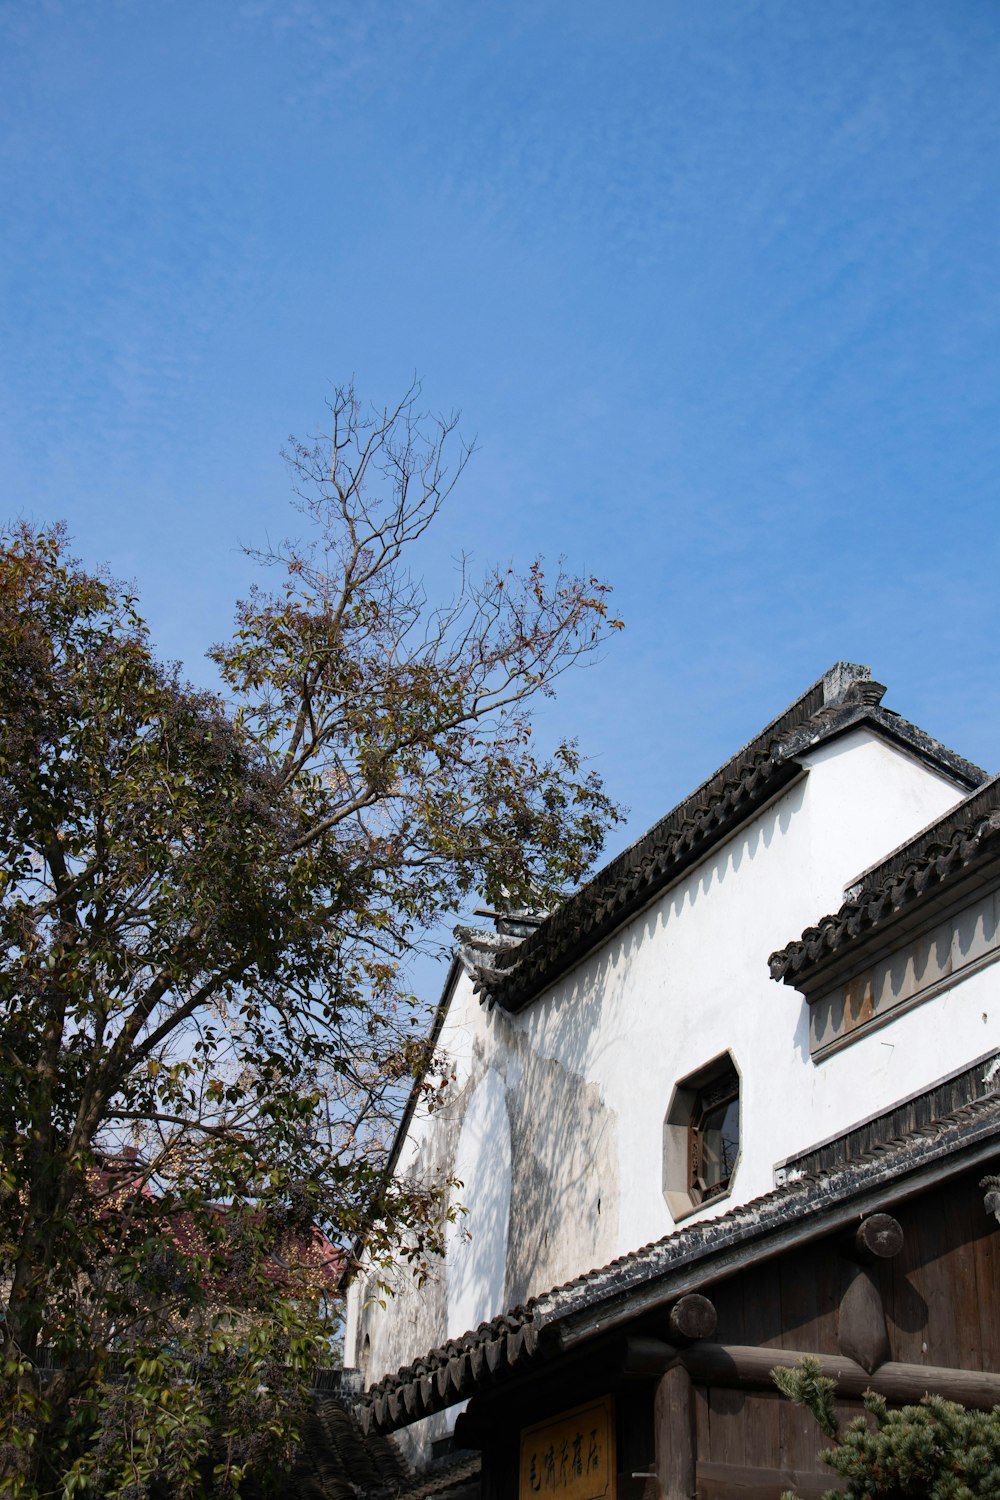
(714, 1136)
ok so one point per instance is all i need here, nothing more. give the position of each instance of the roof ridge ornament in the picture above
(867, 692)
(841, 678)
(513, 921)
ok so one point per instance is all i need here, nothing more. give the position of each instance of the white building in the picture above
(627, 1064)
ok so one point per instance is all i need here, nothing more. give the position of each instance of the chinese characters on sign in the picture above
(572, 1456)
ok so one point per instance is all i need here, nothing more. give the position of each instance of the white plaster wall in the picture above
(944, 1033)
(688, 978)
(476, 1239)
(555, 1119)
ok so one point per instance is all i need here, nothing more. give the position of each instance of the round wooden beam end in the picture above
(693, 1317)
(879, 1237)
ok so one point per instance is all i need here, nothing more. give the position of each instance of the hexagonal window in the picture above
(701, 1136)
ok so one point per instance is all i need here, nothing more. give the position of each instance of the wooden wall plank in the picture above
(702, 1423)
(987, 1256)
(762, 1320)
(727, 1482)
(811, 1284)
(966, 1223)
(941, 1341)
(901, 1280)
(762, 1306)
(728, 1425)
(674, 1421)
(800, 1316)
(762, 1415)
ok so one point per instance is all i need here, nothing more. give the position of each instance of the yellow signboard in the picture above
(572, 1456)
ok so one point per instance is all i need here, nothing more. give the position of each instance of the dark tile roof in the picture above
(454, 1478)
(339, 1461)
(904, 1119)
(682, 1261)
(932, 865)
(843, 699)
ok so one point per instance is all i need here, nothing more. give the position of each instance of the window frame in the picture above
(718, 1092)
(715, 1083)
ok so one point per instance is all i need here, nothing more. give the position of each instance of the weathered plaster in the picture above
(584, 1073)
(916, 971)
(565, 1201)
(476, 1239)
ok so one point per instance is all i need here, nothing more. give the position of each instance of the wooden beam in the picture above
(674, 1426)
(751, 1366)
(693, 1317)
(879, 1237)
(861, 1330)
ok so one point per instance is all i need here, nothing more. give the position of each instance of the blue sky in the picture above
(715, 284)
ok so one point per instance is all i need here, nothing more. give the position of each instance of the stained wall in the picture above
(554, 1123)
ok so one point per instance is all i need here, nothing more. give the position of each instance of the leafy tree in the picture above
(935, 1451)
(208, 902)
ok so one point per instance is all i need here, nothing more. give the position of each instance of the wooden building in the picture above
(885, 1267)
(877, 1251)
(871, 1245)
